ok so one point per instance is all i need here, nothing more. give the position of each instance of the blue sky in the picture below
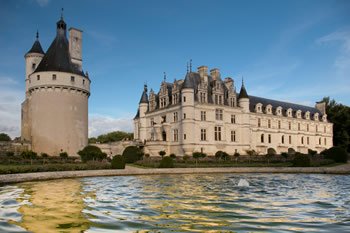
(296, 51)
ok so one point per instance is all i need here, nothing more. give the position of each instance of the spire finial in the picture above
(62, 13)
(145, 87)
(186, 67)
(242, 81)
(37, 35)
(190, 65)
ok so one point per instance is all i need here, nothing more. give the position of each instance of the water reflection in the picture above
(55, 206)
(179, 203)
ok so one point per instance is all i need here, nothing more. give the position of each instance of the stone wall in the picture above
(15, 147)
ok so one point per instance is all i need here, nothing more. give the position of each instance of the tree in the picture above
(221, 155)
(91, 153)
(112, 137)
(132, 154)
(251, 153)
(339, 115)
(284, 155)
(173, 156)
(337, 154)
(162, 153)
(4, 137)
(29, 155)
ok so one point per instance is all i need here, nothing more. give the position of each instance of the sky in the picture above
(295, 51)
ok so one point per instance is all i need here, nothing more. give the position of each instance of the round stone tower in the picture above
(55, 111)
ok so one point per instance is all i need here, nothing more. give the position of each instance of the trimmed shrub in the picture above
(166, 162)
(92, 153)
(337, 154)
(131, 154)
(185, 158)
(221, 155)
(284, 155)
(173, 156)
(29, 155)
(118, 162)
(63, 155)
(44, 155)
(162, 153)
(311, 152)
(301, 160)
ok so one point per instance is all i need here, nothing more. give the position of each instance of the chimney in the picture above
(203, 71)
(321, 106)
(75, 44)
(215, 73)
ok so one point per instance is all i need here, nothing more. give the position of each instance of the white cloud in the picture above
(100, 124)
(42, 3)
(11, 97)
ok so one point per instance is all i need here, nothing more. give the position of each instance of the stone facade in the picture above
(204, 113)
(55, 111)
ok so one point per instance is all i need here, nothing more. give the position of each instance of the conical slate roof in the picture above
(57, 57)
(243, 93)
(144, 96)
(36, 48)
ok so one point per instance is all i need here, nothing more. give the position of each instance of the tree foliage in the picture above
(337, 154)
(4, 137)
(91, 153)
(301, 160)
(166, 162)
(111, 137)
(132, 154)
(118, 162)
(339, 115)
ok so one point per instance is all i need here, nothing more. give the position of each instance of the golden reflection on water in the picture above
(56, 206)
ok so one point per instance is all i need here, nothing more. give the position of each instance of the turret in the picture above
(33, 57)
(143, 108)
(243, 98)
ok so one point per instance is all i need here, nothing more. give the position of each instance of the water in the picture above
(179, 203)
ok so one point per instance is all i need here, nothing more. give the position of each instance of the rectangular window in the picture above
(184, 136)
(38, 77)
(33, 66)
(279, 124)
(54, 77)
(218, 114)
(308, 140)
(307, 127)
(175, 116)
(289, 125)
(232, 102)
(184, 98)
(152, 121)
(233, 119)
(216, 99)
(203, 134)
(220, 99)
(316, 128)
(176, 135)
(203, 115)
(298, 126)
(282, 139)
(83, 81)
(324, 129)
(217, 133)
(233, 136)
(269, 123)
(269, 138)
(290, 139)
(164, 119)
(184, 115)
(72, 78)
(325, 141)
(259, 122)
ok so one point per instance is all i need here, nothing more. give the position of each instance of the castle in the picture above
(203, 113)
(54, 115)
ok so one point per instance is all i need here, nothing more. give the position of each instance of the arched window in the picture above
(302, 140)
(282, 139)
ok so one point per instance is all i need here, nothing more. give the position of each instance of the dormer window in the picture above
(324, 118)
(289, 112)
(299, 114)
(258, 108)
(72, 78)
(54, 77)
(316, 116)
(307, 115)
(279, 111)
(269, 109)
(38, 77)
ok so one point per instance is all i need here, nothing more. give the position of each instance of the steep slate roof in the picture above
(243, 93)
(144, 96)
(57, 57)
(36, 48)
(253, 100)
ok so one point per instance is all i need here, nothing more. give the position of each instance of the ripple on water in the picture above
(186, 203)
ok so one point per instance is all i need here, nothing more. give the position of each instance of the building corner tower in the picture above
(55, 111)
